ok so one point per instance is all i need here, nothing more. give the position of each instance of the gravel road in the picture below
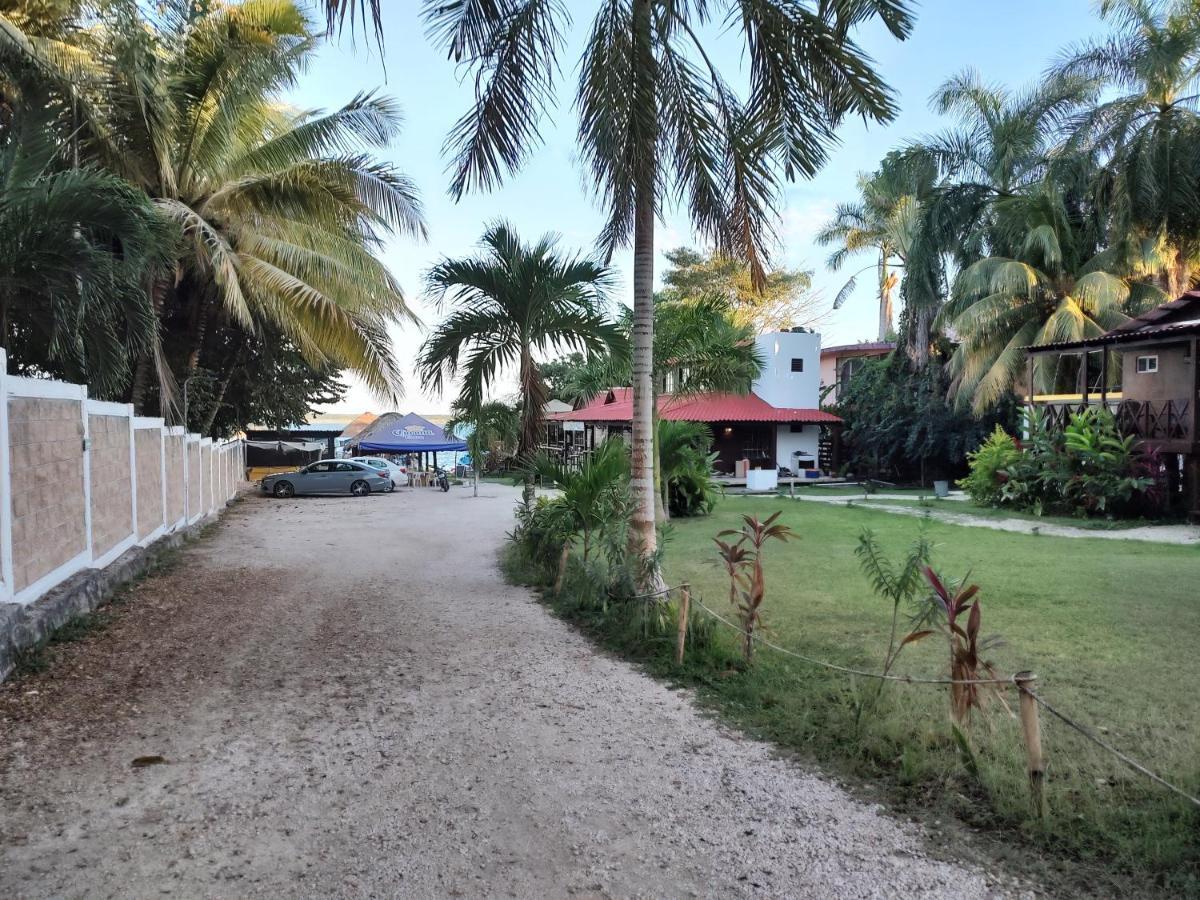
(350, 702)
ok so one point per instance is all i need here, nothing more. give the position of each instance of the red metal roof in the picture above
(617, 406)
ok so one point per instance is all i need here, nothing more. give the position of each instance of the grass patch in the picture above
(1105, 624)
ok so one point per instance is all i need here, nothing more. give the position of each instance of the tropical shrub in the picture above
(684, 467)
(989, 466)
(592, 495)
(1089, 468)
(948, 607)
(743, 562)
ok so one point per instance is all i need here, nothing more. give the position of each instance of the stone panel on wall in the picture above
(194, 475)
(176, 497)
(149, 480)
(206, 467)
(112, 483)
(48, 504)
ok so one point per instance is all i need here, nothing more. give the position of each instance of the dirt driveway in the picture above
(349, 701)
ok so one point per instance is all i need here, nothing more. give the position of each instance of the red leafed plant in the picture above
(743, 563)
(967, 664)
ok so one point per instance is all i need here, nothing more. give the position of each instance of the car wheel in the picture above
(360, 488)
(283, 489)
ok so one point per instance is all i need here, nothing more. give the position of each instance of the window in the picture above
(797, 427)
(345, 467)
(1147, 365)
(320, 467)
(797, 364)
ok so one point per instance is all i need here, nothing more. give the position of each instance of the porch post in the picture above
(1083, 376)
(1104, 375)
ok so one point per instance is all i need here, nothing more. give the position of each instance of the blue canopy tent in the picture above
(406, 434)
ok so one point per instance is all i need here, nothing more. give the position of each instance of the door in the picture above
(315, 479)
(344, 475)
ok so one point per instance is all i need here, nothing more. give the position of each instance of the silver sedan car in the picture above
(329, 476)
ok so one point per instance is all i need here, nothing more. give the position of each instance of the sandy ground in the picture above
(1155, 534)
(350, 702)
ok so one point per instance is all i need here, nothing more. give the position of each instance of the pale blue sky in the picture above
(1008, 41)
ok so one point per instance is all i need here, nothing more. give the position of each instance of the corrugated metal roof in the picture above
(696, 408)
(1178, 317)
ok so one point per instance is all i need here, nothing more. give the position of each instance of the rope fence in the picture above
(1021, 681)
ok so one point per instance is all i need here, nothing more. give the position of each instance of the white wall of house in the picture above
(783, 352)
(787, 442)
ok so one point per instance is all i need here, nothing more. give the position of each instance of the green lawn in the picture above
(1110, 627)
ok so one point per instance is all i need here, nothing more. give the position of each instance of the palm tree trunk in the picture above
(885, 298)
(145, 364)
(643, 540)
(220, 397)
(533, 394)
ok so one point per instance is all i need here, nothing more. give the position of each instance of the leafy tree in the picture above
(899, 426)
(657, 120)
(561, 372)
(783, 300)
(510, 306)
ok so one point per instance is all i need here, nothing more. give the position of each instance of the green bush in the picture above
(1089, 468)
(989, 467)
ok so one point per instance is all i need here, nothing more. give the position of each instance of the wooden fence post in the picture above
(1032, 732)
(685, 605)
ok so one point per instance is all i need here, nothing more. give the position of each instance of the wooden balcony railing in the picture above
(1149, 420)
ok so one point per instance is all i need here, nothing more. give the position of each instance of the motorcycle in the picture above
(441, 479)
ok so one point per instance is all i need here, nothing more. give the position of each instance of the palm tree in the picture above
(1055, 288)
(1149, 129)
(510, 306)
(280, 209)
(658, 121)
(590, 494)
(490, 424)
(883, 220)
(681, 446)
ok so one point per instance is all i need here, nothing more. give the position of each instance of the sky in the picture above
(1010, 42)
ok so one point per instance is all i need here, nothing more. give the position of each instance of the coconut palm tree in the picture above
(76, 244)
(884, 220)
(1148, 126)
(658, 121)
(1055, 288)
(508, 307)
(280, 209)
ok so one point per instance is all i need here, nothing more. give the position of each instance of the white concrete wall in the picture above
(83, 483)
(786, 443)
(778, 384)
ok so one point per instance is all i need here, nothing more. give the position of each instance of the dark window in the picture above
(345, 467)
(321, 467)
(797, 364)
(797, 427)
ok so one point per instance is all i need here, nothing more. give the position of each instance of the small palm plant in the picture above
(743, 560)
(591, 493)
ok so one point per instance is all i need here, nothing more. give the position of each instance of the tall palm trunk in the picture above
(533, 394)
(145, 364)
(886, 285)
(643, 540)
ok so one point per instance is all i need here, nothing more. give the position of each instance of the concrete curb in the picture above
(23, 626)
